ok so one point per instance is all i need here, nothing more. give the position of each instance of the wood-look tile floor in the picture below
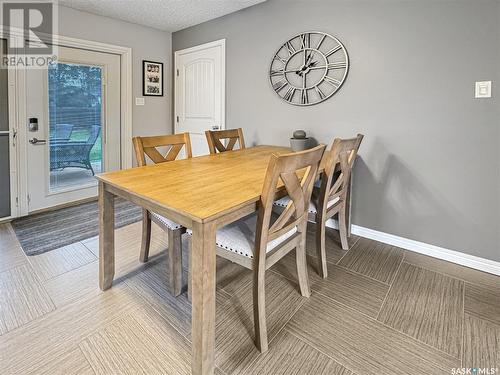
(381, 310)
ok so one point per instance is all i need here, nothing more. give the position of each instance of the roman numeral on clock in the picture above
(305, 41)
(279, 85)
(281, 59)
(337, 65)
(319, 92)
(278, 72)
(321, 41)
(304, 99)
(289, 94)
(332, 81)
(333, 50)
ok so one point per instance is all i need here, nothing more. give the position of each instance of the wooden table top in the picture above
(201, 188)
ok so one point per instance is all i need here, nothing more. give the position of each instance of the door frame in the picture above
(126, 100)
(13, 142)
(217, 43)
(18, 119)
(14, 79)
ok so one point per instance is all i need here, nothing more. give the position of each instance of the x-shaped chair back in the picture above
(149, 146)
(232, 135)
(335, 182)
(296, 172)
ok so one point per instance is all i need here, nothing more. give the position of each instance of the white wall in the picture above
(146, 43)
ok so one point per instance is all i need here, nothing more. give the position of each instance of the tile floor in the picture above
(382, 310)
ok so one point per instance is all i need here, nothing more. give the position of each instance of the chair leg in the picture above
(91, 168)
(320, 247)
(348, 207)
(175, 261)
(300, 254)
(259, 309)
(146, 236)
(343, 227)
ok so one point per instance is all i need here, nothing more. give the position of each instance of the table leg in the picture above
(348, 207)
(203, 298)
(106, 237)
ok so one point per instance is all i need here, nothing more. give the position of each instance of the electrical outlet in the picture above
(483, 89)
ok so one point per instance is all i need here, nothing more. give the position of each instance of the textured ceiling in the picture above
(167, 15)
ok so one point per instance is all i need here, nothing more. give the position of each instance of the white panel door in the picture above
(76, 106)
(200, 92)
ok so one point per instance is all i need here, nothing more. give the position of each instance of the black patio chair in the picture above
(69, 153)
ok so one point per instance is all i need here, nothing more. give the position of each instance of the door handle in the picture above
(36, 141)
(215, 127)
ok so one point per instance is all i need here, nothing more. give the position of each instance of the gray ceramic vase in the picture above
(299, 142)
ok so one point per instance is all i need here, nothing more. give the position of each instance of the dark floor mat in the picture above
(51, 230)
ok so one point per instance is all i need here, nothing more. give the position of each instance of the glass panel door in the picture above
(74, 111)
(75, 124)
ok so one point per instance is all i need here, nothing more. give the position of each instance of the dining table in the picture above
(203, 194)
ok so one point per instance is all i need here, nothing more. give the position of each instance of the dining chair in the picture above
(333, 196)
(149, 146)
(261, 239)
(233, 136)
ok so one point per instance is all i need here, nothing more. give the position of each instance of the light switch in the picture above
(483, 89)
(139, 101)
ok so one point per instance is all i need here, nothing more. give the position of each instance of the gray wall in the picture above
(146, 43)
(429, 166)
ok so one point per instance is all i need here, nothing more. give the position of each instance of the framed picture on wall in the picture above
(152, 74)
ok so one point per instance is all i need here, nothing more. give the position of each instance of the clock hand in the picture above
(305, 69)
(292, 70)
(306, 63)
(298, 71)
(339, 65)
(309, 58)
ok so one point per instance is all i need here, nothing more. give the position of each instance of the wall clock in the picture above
(309, 68)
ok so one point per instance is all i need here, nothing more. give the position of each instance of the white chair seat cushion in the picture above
(239, 237)
(169, 223)
(283, 202)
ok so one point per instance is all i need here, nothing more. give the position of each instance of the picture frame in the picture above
(152, 78)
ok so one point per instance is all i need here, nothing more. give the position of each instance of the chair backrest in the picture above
(61, 132)
(93, 135)
(297, 173)
(149, 146)
(233, 136)
(338, 164)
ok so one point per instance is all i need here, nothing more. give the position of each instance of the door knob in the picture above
(36, 141)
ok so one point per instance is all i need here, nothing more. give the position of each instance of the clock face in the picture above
(309, 68)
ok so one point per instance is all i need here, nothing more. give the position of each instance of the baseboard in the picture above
(6, 219)
(471, 261)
